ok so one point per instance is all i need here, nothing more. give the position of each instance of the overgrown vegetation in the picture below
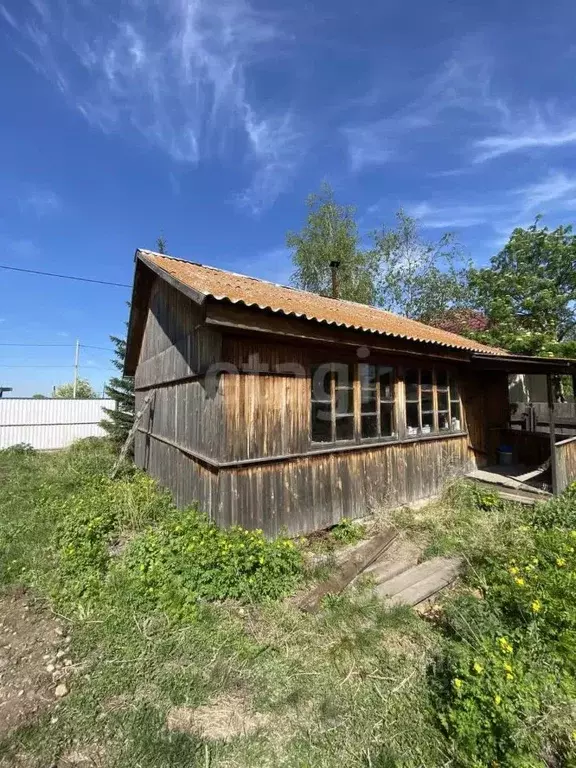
(170, 614)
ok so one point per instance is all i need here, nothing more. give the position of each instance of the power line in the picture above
(65, 277)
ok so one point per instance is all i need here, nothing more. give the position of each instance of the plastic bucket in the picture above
(505, 456)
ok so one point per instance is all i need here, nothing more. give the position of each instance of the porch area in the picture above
(532, 458)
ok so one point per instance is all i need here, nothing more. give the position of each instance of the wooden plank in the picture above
(421, 582)
(360, 559)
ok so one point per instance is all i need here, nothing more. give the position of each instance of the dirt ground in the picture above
(34, 660)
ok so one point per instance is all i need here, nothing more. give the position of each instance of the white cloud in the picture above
(178, 73)
(557, 190)
(4, 12)
(23, 249)
(452, 215)
(539, 131)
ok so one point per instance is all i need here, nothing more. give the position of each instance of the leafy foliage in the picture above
(84, 390)
(187, 558)
(346, 531)
(529, 291)
(121, 390)
(331, 234)
(418, 278)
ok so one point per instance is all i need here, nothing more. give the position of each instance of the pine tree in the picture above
(121, 389)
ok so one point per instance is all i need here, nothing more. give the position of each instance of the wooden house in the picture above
(275, 408)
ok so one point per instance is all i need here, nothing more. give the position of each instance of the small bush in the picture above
(559, 512)
(346, 531)
(187, 558)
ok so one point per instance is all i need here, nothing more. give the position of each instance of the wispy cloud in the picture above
(22, 249)
(179, 73)
(551, 195)
(540, 131)
(41, 202)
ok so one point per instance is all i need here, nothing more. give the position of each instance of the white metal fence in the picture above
(51, 423)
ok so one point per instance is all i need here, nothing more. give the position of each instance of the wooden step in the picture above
(420, 582)
(399, 557)
(360, 558)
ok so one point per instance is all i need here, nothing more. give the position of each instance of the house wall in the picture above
(239, 442)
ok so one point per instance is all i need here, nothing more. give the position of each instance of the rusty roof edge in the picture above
(199, 297)
(465, 347)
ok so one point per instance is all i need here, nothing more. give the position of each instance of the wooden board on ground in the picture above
(421, 582)
(360, 559)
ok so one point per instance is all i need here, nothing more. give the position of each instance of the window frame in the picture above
(398, 399)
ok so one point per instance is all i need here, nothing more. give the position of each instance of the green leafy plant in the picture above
(346, 531)
(187, 558)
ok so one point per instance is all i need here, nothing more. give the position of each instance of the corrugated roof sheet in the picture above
(252, 292)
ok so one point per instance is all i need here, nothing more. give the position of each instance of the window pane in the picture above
(344, 401)
(442, 401)
(367, 375)
(427, 401)
(412, 421)
(344, 375)
(320, 382)
(441, 379)
(411, 385)
(368, 401)
(387, 419)
(426, 378)
(453, 388)
(444, 421)
(386, 376)
(344, 427)
(370, 426)
(456, 416)
(427, 423)
(321, 423)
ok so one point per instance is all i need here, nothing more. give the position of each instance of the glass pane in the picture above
(411, 384)
(456, 423)
(344, 375)
(427, 423)
(344, 401)
(321, 423)
(367, 375)
(442, 401)
(444, 421)
(368, 401)
(387, 419)
(453, 388)
(441, 379)
(427, 401)
(344, 427)
(426, 378)
(320, 382)
(370, 426)
(412, 422)
(386, 376)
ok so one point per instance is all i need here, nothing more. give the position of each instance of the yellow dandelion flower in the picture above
(560, 562)
(458, 683)
(509, 676)
(520, 582)
(497, 700)
(536, 606)
(505, 645)
(514, 570)
(508, 667)
(478, 668)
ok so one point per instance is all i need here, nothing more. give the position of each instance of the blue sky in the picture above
(211, 120)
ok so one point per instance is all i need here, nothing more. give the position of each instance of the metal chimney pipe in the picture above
(335, 287)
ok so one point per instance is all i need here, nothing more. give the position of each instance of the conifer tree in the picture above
(121, 389)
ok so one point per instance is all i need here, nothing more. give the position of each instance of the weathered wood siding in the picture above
(485, 401)
(314, 492)
(565, 464)
(186, 416)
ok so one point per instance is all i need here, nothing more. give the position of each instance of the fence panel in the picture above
(51, 423)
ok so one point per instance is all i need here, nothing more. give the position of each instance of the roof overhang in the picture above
(523, 364)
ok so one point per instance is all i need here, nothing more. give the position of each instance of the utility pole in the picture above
(76, 361)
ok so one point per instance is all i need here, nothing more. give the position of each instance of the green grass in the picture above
(355, 685)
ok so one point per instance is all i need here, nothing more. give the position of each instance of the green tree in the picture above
(84, 390)
(161, 244)
(331, 234)
(528, 292)
(121, 389)
(418, 278)
(38, 396)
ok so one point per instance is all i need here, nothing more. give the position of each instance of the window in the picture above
(332, 403)
(432, 402)
(376, 401)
